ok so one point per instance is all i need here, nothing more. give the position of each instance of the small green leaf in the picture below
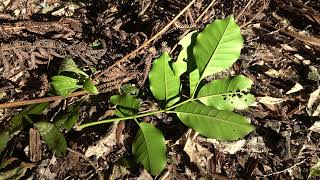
(164, 85)
(68, 120)
(315, 170)
(213, 123)
(52, 137)
(130, 89)
(149, 148)
(4, 138)
(88, 86)
(64, 85)
(180, 66)
(227, 94)
(217, 47)
(68, 65)
(127, 105)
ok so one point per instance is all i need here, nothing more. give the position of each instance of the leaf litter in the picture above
(284, 71)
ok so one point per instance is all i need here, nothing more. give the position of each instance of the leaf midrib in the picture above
(223, 34)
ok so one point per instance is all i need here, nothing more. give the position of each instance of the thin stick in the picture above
(54, 98)
(163, 30)
(245, 8)
(197, 20)
(39, 100)
(100, 175)
(265, 4)
(285, 170)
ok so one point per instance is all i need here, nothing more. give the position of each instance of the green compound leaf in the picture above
(88, 86)
(4, 138)
(217, 47)
(68, 65)
(52, 137)
(149, 148)
(213, 123)
(227, 94)
(164, 85)
(64, 85)
(127, 105)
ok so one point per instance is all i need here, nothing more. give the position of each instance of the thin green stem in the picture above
(80, 127)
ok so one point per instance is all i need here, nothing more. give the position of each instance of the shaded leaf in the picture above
(218, 46)
(149, 148)
(68, 65)
(17, 120)
(164, 85)
(37, 109)
(52, 137)
(88, 86)
(127, 105)
(228, 93)
(64, 85)
(4, 138)
(180, 65)
(68, 120)
(130, 89)
(213, 123)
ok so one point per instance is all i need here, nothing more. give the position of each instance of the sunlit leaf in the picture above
(149, 148)
(64, 85)
(213, 123)
(217, 47)
(68, 65)
(315, 170)
(227, 93)
(16, 173)
(88, 86)
(164, 85)
(127, 105)
(52, 137)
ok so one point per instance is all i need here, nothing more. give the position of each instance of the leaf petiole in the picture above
(167, 110)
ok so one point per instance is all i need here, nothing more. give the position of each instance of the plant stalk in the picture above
(167, 110)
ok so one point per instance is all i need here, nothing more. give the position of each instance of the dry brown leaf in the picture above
(313, 107)
(267, 100)
(105, 145)
(197, 153)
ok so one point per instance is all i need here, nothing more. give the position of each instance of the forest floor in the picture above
(281, 55)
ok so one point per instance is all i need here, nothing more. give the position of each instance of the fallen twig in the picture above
(54, 98)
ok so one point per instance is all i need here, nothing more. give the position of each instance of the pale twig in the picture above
(285, 170)
(243, 10)
(197, 20)
(39, 100)
(100, 175)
